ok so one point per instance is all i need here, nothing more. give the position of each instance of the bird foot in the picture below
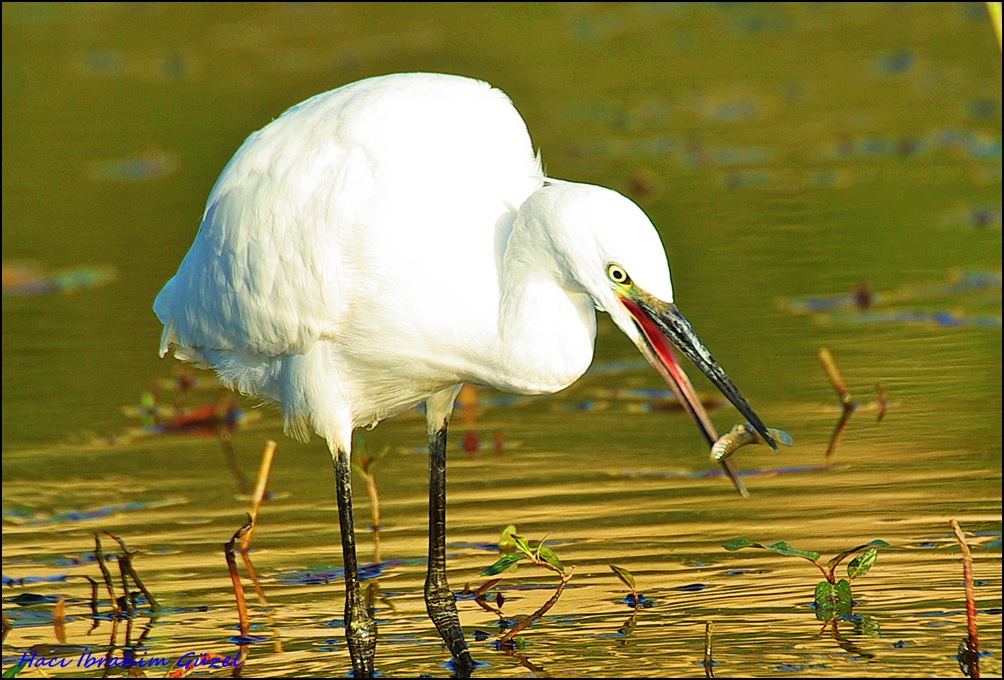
(361, 635)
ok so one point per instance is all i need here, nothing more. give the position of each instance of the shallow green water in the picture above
(787, 153)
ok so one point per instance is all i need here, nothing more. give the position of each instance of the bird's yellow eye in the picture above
(618, 275)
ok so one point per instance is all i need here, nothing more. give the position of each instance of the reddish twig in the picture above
(261, 485)
(973, 650)
(228, 551)
(566, 576)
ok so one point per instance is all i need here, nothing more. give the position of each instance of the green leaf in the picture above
(833, 600)
(831, 564)
(629, 626)
(522, 545)
(860, 565)
(550, 557)
(739, 543)
(503, 563)
(825, 598)
(148, 405)
(506, 543)
(624, 575)
(842, 592)
(866, 625)
(12, 671)
(782, 548)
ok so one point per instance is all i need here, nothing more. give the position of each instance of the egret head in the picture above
(609, 247)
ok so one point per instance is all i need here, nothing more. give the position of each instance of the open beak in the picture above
(661, 324)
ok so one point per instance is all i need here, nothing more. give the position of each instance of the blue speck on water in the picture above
(174, 66)
(103, 62)
(982, 109)
(896, 62)
(797, 668)
(480, 546)
(901, 644)
(11, 582)
(246, 639)
(643, 601)
(693, 587)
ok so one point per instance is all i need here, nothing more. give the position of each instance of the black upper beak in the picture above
(661, 321)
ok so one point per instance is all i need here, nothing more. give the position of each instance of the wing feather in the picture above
(331, 238)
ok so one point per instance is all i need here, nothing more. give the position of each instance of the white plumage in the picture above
(356, 256)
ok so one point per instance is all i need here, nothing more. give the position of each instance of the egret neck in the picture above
(547, 320)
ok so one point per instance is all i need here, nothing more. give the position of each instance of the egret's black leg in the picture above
(360, 629)
(439, 599)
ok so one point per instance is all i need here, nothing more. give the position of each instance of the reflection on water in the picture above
(823, 175)
(670, 538)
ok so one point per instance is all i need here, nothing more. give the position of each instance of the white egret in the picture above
(380, 244)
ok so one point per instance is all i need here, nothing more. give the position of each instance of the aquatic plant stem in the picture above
(100, 557)
(883, 402)
(226, 442)
(94, 602)
(59, 621)
(365, 466)
(967, 573)
(849, 406)
(126, 562)
(129, 608)
(709, 663)
(566, 576)
(261, 484)
(235, 579)
(369, 478)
